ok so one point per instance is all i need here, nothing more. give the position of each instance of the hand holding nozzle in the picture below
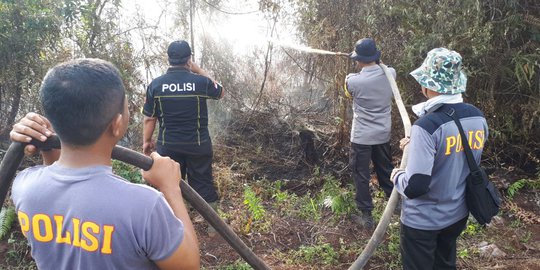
(403, 142)
(343, 54)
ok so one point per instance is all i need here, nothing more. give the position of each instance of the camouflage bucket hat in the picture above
(442, 72)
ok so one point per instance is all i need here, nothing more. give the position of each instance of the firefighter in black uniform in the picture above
(177, 100)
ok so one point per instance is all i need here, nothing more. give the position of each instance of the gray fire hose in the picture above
(15, 153)
(379, 232)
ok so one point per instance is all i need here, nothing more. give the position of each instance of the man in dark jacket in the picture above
(177, 100)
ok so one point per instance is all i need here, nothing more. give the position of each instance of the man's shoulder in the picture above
(35, 168)
(30, 172)
(134, 188)
(159, 78)
(431, 121)
(352, 75)
(157, 81)
(463, 110)
(471, 110)
(176, 77)
(199, 78)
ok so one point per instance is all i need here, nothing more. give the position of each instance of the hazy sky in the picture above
(246, 28)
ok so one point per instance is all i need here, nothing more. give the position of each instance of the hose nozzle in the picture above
(343, 54)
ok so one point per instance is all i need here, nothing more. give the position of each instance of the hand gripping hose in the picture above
(15, 153)
(379, 232)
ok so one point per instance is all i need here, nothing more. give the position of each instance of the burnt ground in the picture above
(252, 159)
(516, 232)
(296, 231)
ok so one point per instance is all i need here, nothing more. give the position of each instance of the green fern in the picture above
(534, 184)
(516, 186)
(7, 217)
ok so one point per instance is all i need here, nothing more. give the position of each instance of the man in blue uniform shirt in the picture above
(434, 212)
(177, 100)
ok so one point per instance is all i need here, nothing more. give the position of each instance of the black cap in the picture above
(179, 52)
(365, 50)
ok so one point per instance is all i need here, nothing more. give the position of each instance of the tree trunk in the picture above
(308, 145)
(15, 103)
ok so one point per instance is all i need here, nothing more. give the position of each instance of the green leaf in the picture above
(7, 217)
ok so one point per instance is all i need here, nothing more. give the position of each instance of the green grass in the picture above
(236, 266)
(323, 254)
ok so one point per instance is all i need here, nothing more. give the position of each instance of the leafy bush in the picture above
(278, 195)
(340, 200)
(128, 172)
(472, 229)
(340, 203)
(257, 213)
(309, 208)
(390, 249)
(254, 204)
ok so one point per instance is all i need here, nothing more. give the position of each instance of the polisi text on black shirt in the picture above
(174, 87)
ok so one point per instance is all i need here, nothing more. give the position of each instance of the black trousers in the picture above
(433, 250)
(196, 166)
(360, 157)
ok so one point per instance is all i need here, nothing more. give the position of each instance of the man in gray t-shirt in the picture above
(75, 213)
(370, 133)
(127, 225)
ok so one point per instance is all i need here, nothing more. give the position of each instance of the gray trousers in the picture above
(360, 157)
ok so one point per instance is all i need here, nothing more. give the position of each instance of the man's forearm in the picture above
(174, 197)
(149, 125)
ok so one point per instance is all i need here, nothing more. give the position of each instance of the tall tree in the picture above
(94, 26)
(27, 29)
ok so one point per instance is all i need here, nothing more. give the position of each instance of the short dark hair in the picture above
(80, 98)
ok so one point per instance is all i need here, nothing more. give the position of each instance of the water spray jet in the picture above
(306, 49)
